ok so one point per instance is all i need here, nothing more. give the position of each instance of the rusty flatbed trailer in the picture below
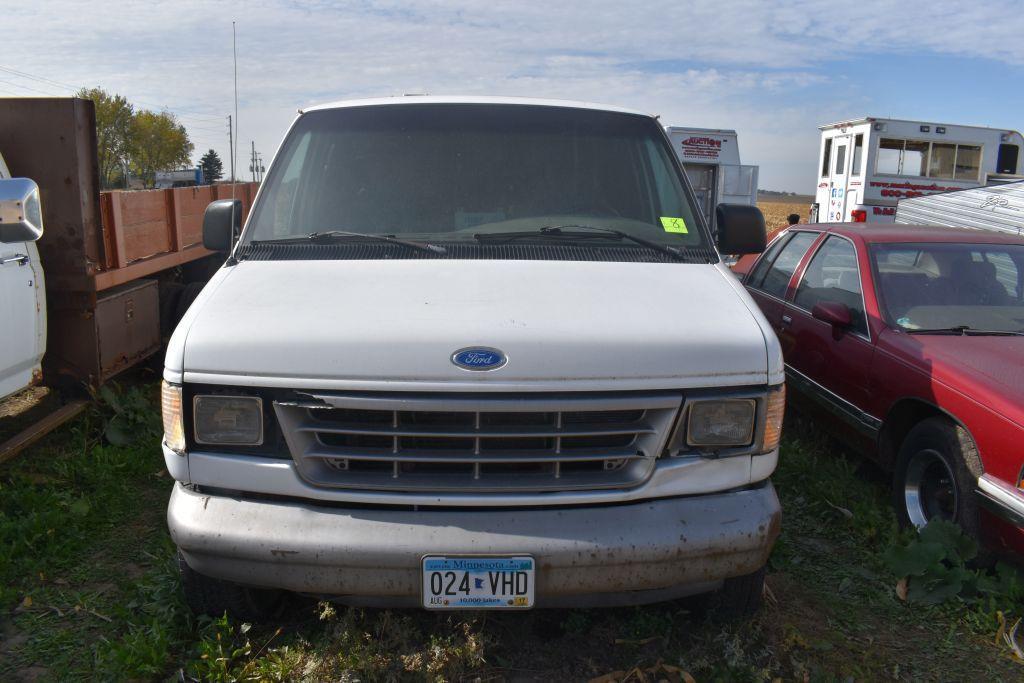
(116, 263)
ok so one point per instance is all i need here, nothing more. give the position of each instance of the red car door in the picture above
(768, 281)
(826, 364)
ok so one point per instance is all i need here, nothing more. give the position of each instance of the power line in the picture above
(187, 114)
(41, 79)
(19, 85)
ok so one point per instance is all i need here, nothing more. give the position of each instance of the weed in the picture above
(935, 566)
(128, 413)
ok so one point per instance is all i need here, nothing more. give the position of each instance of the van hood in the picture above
(396, 324)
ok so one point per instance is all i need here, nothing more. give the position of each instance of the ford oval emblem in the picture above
(479, 358)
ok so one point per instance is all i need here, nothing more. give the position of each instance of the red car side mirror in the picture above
(833, 313)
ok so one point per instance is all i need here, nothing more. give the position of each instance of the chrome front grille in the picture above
(478, 443)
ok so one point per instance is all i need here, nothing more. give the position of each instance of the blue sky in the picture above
(773, 71)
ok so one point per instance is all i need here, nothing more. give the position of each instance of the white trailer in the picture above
(995, 207)
(711, 159)
(866, 165)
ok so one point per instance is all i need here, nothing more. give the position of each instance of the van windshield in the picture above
(458, 172)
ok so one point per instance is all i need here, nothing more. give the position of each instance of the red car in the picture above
(908, 343)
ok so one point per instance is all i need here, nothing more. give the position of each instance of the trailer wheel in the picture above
(936, 473)
(213, 597)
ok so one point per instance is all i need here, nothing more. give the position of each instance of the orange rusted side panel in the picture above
(189, 205)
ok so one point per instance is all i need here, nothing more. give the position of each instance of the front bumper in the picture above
(586, 556)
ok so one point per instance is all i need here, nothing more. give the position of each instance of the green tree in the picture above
(158, 143)
(213, 168)
(114, 116)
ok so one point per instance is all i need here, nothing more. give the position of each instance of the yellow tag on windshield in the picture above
(672, 224)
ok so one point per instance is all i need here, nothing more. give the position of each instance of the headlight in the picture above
(230, 420)
(727, 422)
(170, 407)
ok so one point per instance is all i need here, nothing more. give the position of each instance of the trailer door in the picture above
(838, 185)
(702, 179)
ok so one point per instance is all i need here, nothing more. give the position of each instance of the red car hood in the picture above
(990, 369)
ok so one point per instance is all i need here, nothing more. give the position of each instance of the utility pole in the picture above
(259, 166)
(231, 149)
(252, 161)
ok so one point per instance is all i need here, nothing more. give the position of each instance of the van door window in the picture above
(858, 154)
(968, 162)
(776, 280)
(1007, 160)
(832, 275)
(826, 157)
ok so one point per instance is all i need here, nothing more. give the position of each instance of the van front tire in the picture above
(739, 598)
(205, 595)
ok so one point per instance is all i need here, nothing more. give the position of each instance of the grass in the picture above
(88, 590)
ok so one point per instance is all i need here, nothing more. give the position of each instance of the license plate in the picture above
(453, 582)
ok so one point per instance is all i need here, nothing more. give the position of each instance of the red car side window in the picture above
(833, 275)
(777, 277)
(757, 274)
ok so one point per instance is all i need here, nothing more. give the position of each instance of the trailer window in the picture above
(858, 154)
(840, 159)
(915, 159)
(889, 153)
(826, 158)
(1007, 160)
(942, 161)
(968, 162)
(918, 159)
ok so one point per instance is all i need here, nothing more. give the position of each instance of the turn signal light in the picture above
(174, 426)
(775, 411)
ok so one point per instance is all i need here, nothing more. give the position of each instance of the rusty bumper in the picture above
(589, 556)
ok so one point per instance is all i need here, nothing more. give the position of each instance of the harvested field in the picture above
(775, 213)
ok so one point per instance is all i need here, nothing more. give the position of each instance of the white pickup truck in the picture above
(473, 353)
(22, 290)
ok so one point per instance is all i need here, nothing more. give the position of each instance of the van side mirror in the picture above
(832, 312)
(740, 229)
(21, 214)
(221, 222)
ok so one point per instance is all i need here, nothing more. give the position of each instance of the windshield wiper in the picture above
(966, 331)
(586, 232)
(331, 235)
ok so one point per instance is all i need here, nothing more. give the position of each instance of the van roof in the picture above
(470, 99)
(872, 119)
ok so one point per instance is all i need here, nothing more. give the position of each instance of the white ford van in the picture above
(473, 353)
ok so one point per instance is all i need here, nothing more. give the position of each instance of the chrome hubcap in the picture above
(929, 490)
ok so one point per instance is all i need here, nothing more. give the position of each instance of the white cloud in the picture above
(711, 63)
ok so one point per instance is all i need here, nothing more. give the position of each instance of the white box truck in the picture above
(711, 159)
(473, 353)
(866, 165)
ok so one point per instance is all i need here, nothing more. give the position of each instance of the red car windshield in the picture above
(944, 287)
